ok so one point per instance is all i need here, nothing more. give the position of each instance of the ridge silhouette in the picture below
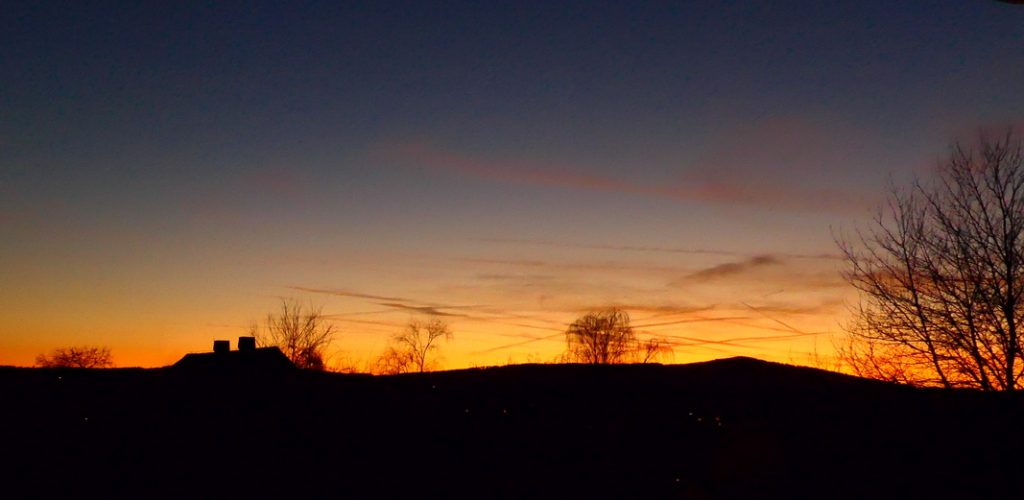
(732, 428)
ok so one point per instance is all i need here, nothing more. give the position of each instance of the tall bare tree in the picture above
(941, 275)
(414, 345)
(301, 332)
(76, 357)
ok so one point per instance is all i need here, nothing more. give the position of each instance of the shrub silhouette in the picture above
(77, 357)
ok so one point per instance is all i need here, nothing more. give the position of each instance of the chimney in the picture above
(221, 346)
(246, 343)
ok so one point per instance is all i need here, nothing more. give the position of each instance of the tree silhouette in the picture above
(393, 362)
(76, 357)
(941, 275)
(302, 334)
(413, 346)
(601, 337)
(653, 349)
(606, 337)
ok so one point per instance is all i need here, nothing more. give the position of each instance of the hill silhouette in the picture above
(732, 428)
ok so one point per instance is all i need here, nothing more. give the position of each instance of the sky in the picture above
(169, 172)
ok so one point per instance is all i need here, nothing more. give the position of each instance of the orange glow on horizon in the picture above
(480, 343)
(506, 300)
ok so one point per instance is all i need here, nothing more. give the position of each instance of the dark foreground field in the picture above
(735, 428)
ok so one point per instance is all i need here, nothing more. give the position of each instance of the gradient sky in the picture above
(168, 173)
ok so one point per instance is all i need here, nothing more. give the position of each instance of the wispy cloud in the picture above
(397, 303)
(529, 340)
(571, 266)
(389, 324)
(663, 310)
(730, 269)
(504, 277)
(685, 341)
(428, 310)
(691, 320)
(822, 307)
(654, 249)
(480, 313)
(719, 191)
(345, 293)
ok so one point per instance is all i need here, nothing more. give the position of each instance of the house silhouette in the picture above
(248, 358)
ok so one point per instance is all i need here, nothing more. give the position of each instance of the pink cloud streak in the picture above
(707, 191)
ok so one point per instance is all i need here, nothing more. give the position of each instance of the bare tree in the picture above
(414, 345)
(653, 349)
(941, 275)
(76, 357)
(302, 333)
(601, 337)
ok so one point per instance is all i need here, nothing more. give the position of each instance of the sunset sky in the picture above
(169, 173)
